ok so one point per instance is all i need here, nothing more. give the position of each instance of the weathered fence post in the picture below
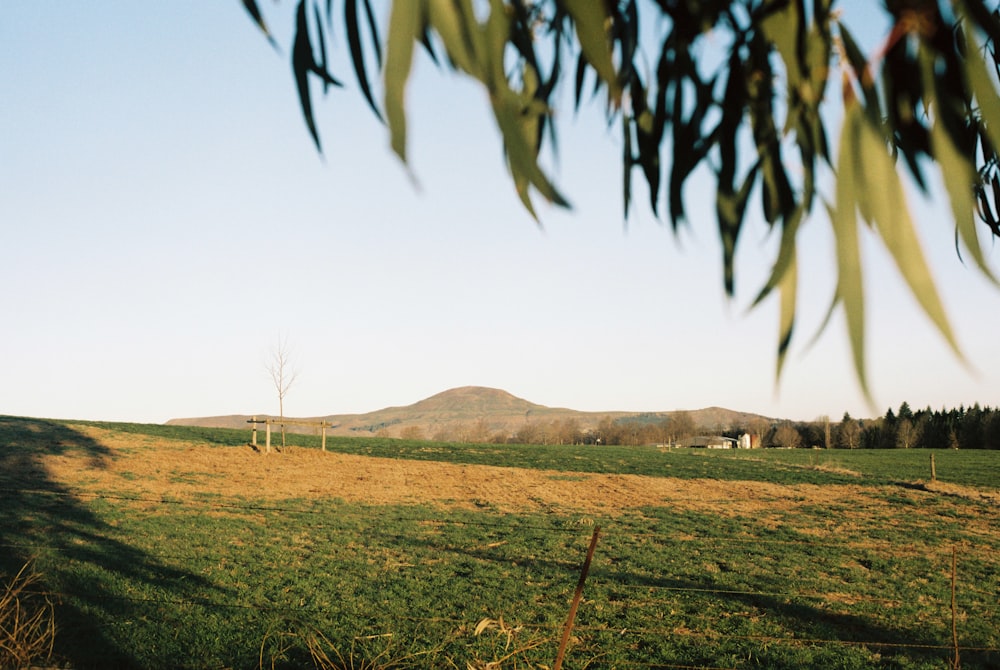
(267, 449)
(322, 426)
(576, 600)
(253, 432)
(933, 471)
(955, 662)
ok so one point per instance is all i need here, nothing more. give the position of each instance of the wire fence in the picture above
(621, 580)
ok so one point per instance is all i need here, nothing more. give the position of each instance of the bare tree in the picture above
(529, 433)
(681, 426)
(569, 431)
(825, 420)
(787, 436)
(850, 432)
(283, 375)
(412, 433)
(907, 433)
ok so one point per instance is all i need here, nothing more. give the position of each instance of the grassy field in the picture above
(168, 547)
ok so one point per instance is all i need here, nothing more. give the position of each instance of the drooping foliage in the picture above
(744, 91)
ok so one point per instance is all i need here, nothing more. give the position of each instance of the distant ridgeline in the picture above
(478, 414)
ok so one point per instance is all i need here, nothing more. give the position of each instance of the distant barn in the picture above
(709, 442)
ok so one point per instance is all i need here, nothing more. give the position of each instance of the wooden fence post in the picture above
(322, 427)
(955, 663)
(253, 432)
(933, 471)
(267, 449)
(576, 600)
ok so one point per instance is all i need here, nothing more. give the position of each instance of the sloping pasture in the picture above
(166, 547)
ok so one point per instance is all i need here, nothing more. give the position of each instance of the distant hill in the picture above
(456, 413)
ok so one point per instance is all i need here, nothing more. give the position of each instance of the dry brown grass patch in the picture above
(967, 492)
(172, 469)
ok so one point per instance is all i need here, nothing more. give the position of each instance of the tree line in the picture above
(972, 427)
(629, 431)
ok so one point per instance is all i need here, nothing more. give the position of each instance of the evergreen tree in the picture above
(887, 439)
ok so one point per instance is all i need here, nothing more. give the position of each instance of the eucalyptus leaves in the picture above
(739, 92)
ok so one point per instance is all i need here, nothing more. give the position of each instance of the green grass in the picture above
(979, 468)
(209, 588)
(245, 583)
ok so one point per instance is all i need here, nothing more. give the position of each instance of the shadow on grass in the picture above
(99, 580)
(807, 623)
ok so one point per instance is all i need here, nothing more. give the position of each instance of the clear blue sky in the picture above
(165, 216)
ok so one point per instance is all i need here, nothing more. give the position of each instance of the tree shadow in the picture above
(808, 622)
(83, 561)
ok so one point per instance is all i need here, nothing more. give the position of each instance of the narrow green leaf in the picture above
(521, 156)
(405, 27)
(859, 64)
(891, 216)
(425, 42)
(492, 46)
(353, 30)
(683, 161)
(254, 11)
(628, 160)
(781, 28)
(591, 20)
(448, 18)
(321, 38)
(818, 50)
(979, 81)
(818, 53)
(850, 288)
(581, 71)
(527, 140)
(730, 208)
(786, 255)
(523, 188)
(988, 20)
(957, 170)
(788, 290)
(779, 200)
(302, 65)
(373, 32)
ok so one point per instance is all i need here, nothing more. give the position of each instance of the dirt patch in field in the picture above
(161, 468)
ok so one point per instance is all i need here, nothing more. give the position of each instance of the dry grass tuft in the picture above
(27, 621)
(509, 648)
(291, 636)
